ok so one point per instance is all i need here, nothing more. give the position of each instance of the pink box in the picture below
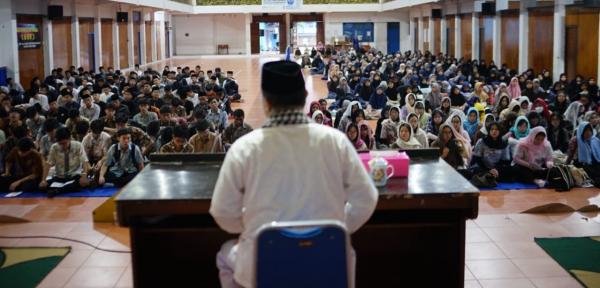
(399, 160)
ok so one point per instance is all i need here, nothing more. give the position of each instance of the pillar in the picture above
(523, 39)
(475, 37)
(443, 35)
(130, 46)
(457, 37)
(75, 36)
(115, 39)
(98, 39)
(558, 63)
(421, 32)
(431, 34)
(496, 39)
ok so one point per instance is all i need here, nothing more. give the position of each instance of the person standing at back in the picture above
(290, 170)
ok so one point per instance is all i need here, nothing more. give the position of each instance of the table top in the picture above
(190, 181)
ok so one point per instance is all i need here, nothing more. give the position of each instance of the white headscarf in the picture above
(412, 142)
(572, 113)
(317, 113)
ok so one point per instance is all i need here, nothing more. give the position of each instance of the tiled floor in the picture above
(500, 251)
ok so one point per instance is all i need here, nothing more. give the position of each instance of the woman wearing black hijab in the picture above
(456, 98)
(491, 159)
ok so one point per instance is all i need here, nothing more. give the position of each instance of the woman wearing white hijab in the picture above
(573, 114)
(456, 120)
(346, 116)
(406, 139)
(318, 117)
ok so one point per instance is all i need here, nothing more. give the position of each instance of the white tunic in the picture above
(288, 173)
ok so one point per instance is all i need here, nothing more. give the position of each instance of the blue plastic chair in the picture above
(302, 254)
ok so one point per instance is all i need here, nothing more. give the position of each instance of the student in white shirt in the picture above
(41, 99)
(290, 170)
(89, 109)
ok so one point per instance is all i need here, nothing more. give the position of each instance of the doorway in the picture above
(269, 37)
(304, 35)
(393, 37)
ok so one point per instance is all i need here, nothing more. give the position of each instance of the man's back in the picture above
(288, 173)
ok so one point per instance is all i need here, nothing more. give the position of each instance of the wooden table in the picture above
(416, 238)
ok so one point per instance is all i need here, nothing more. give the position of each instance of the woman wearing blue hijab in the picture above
(471, 125)
(521, 128)
(588, 151)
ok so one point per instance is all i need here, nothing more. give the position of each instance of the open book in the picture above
(61, 185)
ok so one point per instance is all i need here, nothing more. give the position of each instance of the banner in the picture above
(282, 4)
(28, 36)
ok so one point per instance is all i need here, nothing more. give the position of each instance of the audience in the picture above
(487, 121)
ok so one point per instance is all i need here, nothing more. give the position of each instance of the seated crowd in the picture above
(489, 122)
(78, 128)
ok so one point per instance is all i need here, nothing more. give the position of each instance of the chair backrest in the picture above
(302, 254)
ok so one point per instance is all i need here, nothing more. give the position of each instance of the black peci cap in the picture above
(282, 77)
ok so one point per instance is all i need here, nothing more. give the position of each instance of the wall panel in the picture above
(62, 44)
(123, 45)
(108, 58)
(148, 41)
(486, 38)
(510, 39)
(450, 35)
(585, 50)
(541, 21)
(31, 60)
(136, 42)
(437, 35)
(466, 21)
(86, 43)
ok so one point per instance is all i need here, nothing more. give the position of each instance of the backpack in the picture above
(117, 156)
(560, 178)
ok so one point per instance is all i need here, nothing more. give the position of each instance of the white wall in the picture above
(334, 26)
(8, 34)
(205, 32)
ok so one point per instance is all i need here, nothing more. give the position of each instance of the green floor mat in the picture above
(580, 256)
(27, 267)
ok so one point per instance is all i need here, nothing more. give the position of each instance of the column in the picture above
(288, 23)
(143, 48)
(475, 37)
(248, 21)
(153, 39)
(523, 39)
(558, 63)
(411, 33)
(8, 33)
(75, 36)
(431, 35)
(116, 52)
(48, 47)
(170, 40)
(130, 47)
(421, 34)
(457, 37)
(98, 39)
(443, 35)
(497, 40)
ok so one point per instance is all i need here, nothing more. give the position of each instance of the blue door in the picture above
(393, 37)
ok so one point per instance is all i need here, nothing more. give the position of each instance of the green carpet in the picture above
(580, 256)
(27, 267)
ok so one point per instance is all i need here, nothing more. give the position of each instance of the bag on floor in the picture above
(580, 177)
(560, 178)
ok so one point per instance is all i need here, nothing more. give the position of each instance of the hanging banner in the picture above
(282, 4)
(28, 36)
